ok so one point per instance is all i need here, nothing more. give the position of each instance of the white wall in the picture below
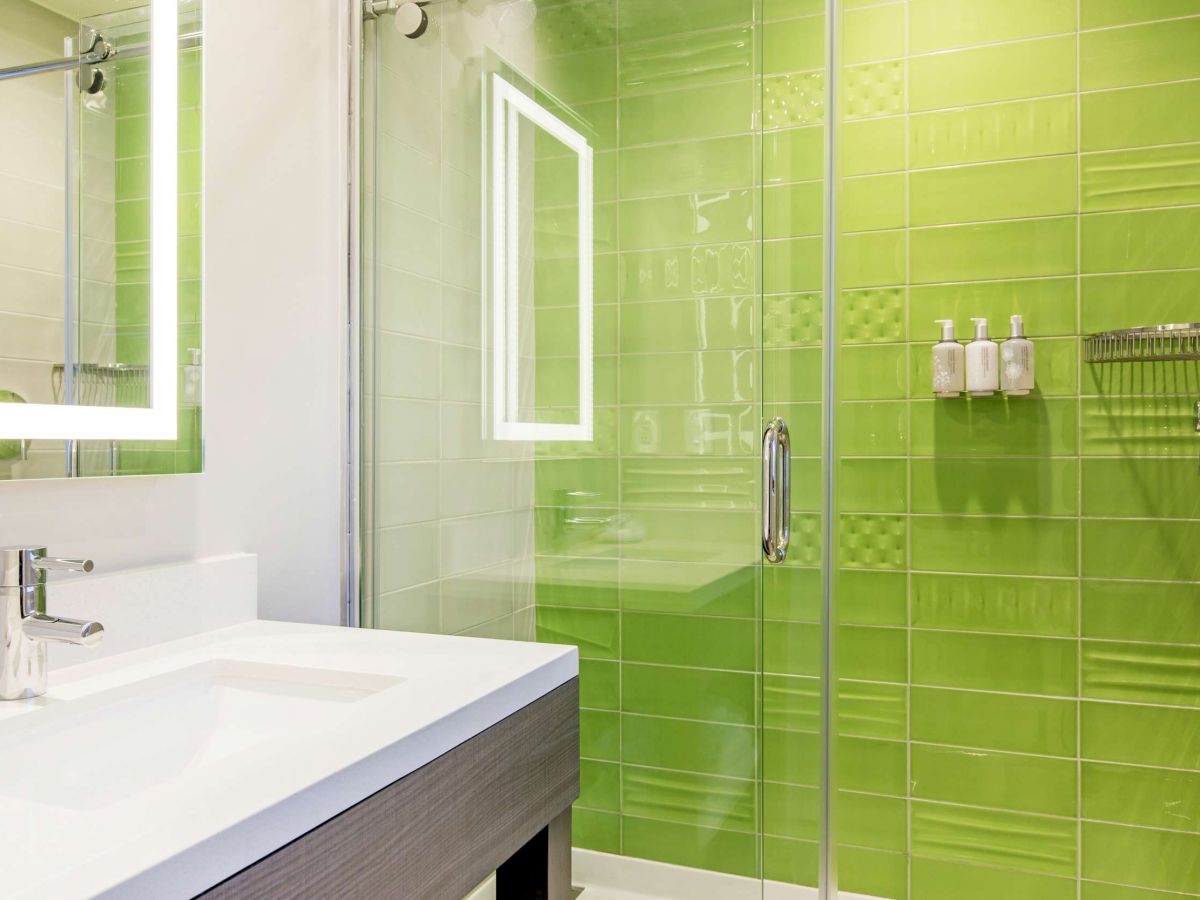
(274, 277)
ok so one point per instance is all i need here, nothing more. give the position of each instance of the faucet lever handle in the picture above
(54, 564)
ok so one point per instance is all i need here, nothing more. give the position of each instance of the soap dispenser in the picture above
(949, 367)
(983, 356)
(1016, 361)
(193, 378)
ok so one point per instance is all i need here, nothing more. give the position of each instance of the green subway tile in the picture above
(994, 250)
(1139, 488)
(1141, 856)
(1002, 487)
(1006, 840)
(994, 721)
(872, 710)
(705, 694)
(594, 632)
(703, 747)
(792, 264)
(640, 20)
(872, 33)
(873, 485)
(1035, 784)
(1162, 550)
(792, 374)
(1140, 298)
(702, 800)
(790, 861)
(872, 766)
(793, 45)
(863, 871)
(792, 648)
(709, 323)
(872, 654)
(791, 811)
(934, 879)
(864, 820)
(1141, 54)
(1004, 190)
(1142, 735)
(790, 210)
(599, 734)
(1047, 305)
(712, 376)
(653, 431)
(1141, 673)
(689, 641)
(1138, 426)
(682, 168)
(871, 146)
(993, 427)
(1094, 890)
(794, 154)
(1013, 71)
(1039, 606)
(654, 66)
(698, 588)
(1141, 611)
(791, 757)
(581, 77)
(558, 482)
(873, 372)
(1148, 239)
(872, 316)
(1132, 795)
(732, 852)
(1139, 117)
(791, 594)
(599, 785)
(1029, 665)
(1135, 179)
(872, 202)
(866, 597)
(791, 702)
(699, 218)
(591, 830)
(871, 259)
(710, 111)
(1103, 13)
(1017, 130)
(872, 429)
(947, 25)
(994, 546)
(598, 684)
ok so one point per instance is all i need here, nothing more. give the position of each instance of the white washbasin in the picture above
(160, 773)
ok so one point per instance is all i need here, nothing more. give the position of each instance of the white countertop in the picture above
(177, 833)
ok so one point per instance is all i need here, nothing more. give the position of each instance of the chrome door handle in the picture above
(777, 490)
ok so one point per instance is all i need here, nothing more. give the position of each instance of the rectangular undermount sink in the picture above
(110, 746)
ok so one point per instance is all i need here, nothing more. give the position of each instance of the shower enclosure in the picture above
(646, 281)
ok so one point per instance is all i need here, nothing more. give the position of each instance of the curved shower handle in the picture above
(777, 490)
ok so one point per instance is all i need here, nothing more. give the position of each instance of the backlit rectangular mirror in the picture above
(101, 360)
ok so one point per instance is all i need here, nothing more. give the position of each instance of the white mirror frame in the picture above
(47, 421)
(509, 103)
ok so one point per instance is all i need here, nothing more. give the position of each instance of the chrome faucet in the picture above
(27, 628)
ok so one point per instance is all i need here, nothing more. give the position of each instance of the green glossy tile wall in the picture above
(1019, 656)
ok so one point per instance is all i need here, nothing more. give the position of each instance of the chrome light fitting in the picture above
(410, 18)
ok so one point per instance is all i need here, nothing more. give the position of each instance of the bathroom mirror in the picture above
(101, 360)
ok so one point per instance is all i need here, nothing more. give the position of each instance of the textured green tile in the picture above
(1161, 547)
(995, 250)
(793, 45)
(934, 879)
(689, 693)
(1003, 190)
(1139, 488)
(1140, 298)
(792, 320)
(692, 113)
(1141, 54)
(599, 785)
(1047, 305)
(990, 837)
(872, 429)
(988, 74)
(733, 852)
(594, 632)
(1141, 673)
(948, 25)
(871, 541)
(1140, 611)
(592, 830)
(1039, 606)
(1030, 665)
(870, 146)
(791, 702)
(655, 66)
(865, 597)
(599, 734)
(1142, 735)
(994, 427)
(709, 748)
(791, 210)
(864, 820)
(1141, 426)
(872, 33)
(598, 684)
(872, 202)
(998, 546)
(1103, 13)
(699, 218)
(1035, 784)
(872, 710)
(691, 799)
(1132, 795)
(873, 485)
(1148, 239)
(994, 721)
(872, 316)
(792, 648)
(872, 654)
(682, 168)
(873, 372)
(872, 873)
(1141, 856)
(1135, 179)
(871, 259)
(794, 154)
(1003, 487)
(1139, 117)
(688, 641)
(1016, 130)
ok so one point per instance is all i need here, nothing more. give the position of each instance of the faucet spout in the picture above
(63, 631)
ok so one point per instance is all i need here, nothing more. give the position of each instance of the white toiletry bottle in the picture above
(1016, 361)
(983, 357)
(949, 363)
(193, 378)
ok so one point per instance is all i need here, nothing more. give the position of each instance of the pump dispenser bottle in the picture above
(983, 357)
(949, 363)
(1016, 361)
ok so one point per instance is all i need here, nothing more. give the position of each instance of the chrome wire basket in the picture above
(1154, 343)
(105, 384)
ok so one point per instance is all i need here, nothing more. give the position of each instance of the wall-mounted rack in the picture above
(1154, 343)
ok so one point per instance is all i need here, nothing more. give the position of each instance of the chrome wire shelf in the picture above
(105, 384)
(1155, 343)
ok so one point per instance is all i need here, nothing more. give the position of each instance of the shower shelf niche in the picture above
(1154, 343)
